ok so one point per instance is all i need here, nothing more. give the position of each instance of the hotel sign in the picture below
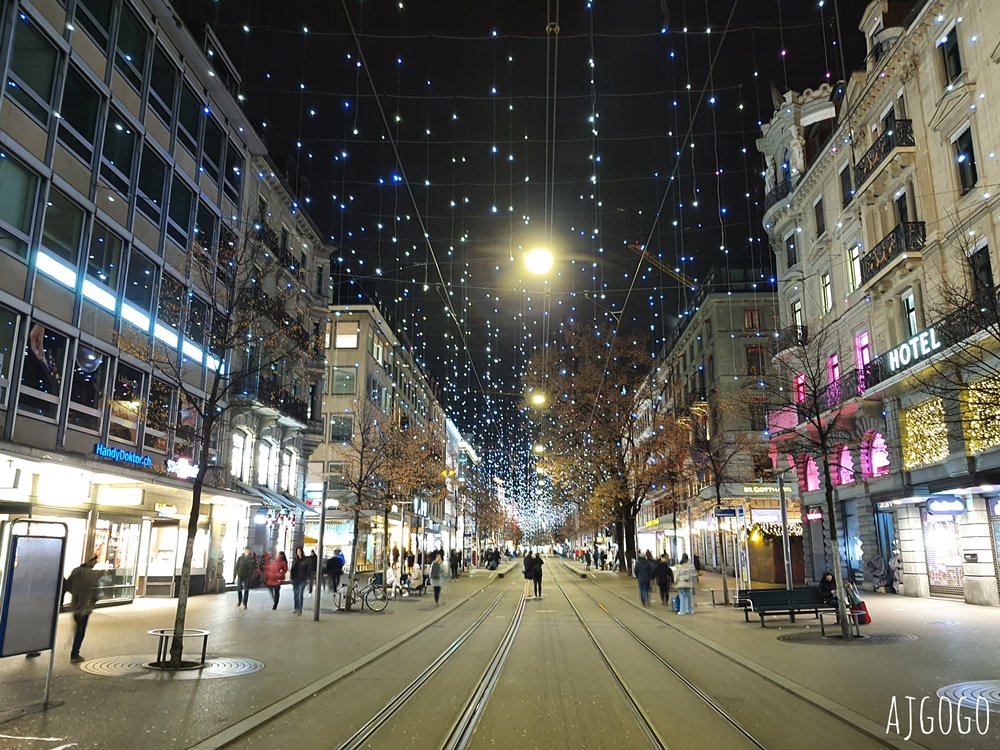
(120, 456)
(919, 347)
(760, 489)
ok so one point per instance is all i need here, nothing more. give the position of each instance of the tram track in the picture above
(834, 711)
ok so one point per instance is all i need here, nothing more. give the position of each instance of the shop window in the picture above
(32, 75)
(346, 334)
(43, 372)
(86, 396)
(179, 212)
(8, 336)
(926, 433)
(189, 119)
(127, 403)
(131, 46)
(151, 183)
(140, 281)
(118, 152)
(81, 105)
(62, 233)
(158, 416)
(846, 188)
(343, 381)
(95, 18)
(341, 428)
(820, 217)
(162, 85)
(17, 206)
(951, 57)
(874, 455)
(965, 160)
(213, 147)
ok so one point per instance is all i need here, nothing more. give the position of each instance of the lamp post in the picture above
(786, 542)
(319, 542)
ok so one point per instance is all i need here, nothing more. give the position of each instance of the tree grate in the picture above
(985, 693)
(137, 667)
(836, 640)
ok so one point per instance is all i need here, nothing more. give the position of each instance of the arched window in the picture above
(786, 171)
(843, 466)
(874, 455)
(808, 473)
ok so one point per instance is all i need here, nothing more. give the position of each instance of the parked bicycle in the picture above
(370, 595)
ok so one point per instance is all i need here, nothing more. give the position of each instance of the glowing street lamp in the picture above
(539, 448)
(538, 399)
(539, 260)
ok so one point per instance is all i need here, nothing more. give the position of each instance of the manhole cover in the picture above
(836, 640)
(135, 667)
(973, 694)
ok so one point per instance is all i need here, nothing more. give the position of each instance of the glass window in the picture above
(846, 189)
(826, 287)
(341, 427)
(343, 381)
(797, 318)
(820, 217)
(162, 85)
(188, 117)
(951, 56)
(17, 206)
(233, 182)
(81, 105)
(751, 319)
(756, 357)
(212, 148)
(158, 416)
(42, 373)
(853, 267)
(197, 321)
(126, 403)
(170, 308)
(264, 455)
(910, 313)
(833, 368)
(790, 252)
(238, 454)
(139, 281)
(982, 272)
(186, 429)
(346, 334)
(104, 256)
(118, 152)
(86, 396)
(179, 213)
(965, 157)
(95, 17)
(133, 39)
(204, 229)
(63, 227)
(8, 336)
(32, 70)
(151, 181)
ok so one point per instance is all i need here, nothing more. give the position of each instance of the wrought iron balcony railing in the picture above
(790, 337)
(777, 193)
(908, 237)
(899, 134)
(270, 395)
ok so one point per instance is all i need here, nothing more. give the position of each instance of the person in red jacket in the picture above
(274, 575)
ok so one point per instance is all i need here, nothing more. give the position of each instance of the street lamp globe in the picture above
(538, 260)
(538, 398)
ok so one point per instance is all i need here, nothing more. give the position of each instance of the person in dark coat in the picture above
(644, 574)
(334, 568)
(82, 585)
(587, 558)
(604, 559)
(245, 568)
(828, 588)
(664, 578)
(529, 576)
(313, 567)
(395, 554)
(300, 579)
(453, 561)
(536, 574)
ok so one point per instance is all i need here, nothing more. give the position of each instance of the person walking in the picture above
(274, 576)
(82, 586)
(687, 577)
(334, 568)
(664, 577)
(529, 576)
(300, 579)
(313, 567)
(437, 576)
(644, 573)
(536, 574)
(410, 559)
(456, 558)
(395, 554)
(245, 567)
(586, 557)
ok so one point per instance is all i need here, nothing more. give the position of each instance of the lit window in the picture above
(826, 284)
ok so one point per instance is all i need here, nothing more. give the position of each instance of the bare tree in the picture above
(219, 353)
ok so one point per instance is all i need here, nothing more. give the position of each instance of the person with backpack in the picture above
(687, 577)
(536, 574)
(664, 578)
(334, 568)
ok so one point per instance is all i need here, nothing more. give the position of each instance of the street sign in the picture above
(725, 512)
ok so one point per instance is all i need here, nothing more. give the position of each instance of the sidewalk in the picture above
(153, 709)
(915, 647)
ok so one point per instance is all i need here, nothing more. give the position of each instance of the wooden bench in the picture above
(784, 602)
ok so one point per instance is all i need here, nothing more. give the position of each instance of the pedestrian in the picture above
(313, 567)
(392, 581)
(697, 565)
(395, 554)
(82, 586)
(334, 568)
(245, 568)
(274, 575)
(536, 574)
(664, 577)
(437, 577)
(687, 577)
(300, 579)
(456, 558)
(410, 559)
(529, 576)
(586, 557)
(604, 558)
(644, 573)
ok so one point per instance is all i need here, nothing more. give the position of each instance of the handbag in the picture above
(675, 603)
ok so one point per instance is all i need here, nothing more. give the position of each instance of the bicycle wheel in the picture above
(376, 600)
(339, 598)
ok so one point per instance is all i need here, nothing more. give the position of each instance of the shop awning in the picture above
(283, 502)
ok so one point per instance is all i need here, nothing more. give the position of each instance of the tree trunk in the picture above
(628, 523)
(352, 578)
(385, 547)
(722, 547)
(180, 617)
(838, 576)
(673, 539)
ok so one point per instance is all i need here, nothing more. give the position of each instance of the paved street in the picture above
(705, 681)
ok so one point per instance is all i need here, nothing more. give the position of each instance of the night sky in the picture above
(469, 91)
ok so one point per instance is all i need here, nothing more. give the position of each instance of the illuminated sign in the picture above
(163, 509)
(725, 512)
(120, 456)
(814, 515)
(653, 522)
(760, 489)
(182, 468)
(946, 505)
(996, 507)
(920, 346)
(765, 515)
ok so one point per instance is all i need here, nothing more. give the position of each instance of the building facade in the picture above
(882, 211)
(127, 168)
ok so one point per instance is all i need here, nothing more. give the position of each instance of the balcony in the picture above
(790, 337)
(777, 193)
(908, 237)
(896, 140)
(271, 396)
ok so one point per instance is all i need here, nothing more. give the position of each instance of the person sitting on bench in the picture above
(415, 581)
(392, 580)
(828, 589)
